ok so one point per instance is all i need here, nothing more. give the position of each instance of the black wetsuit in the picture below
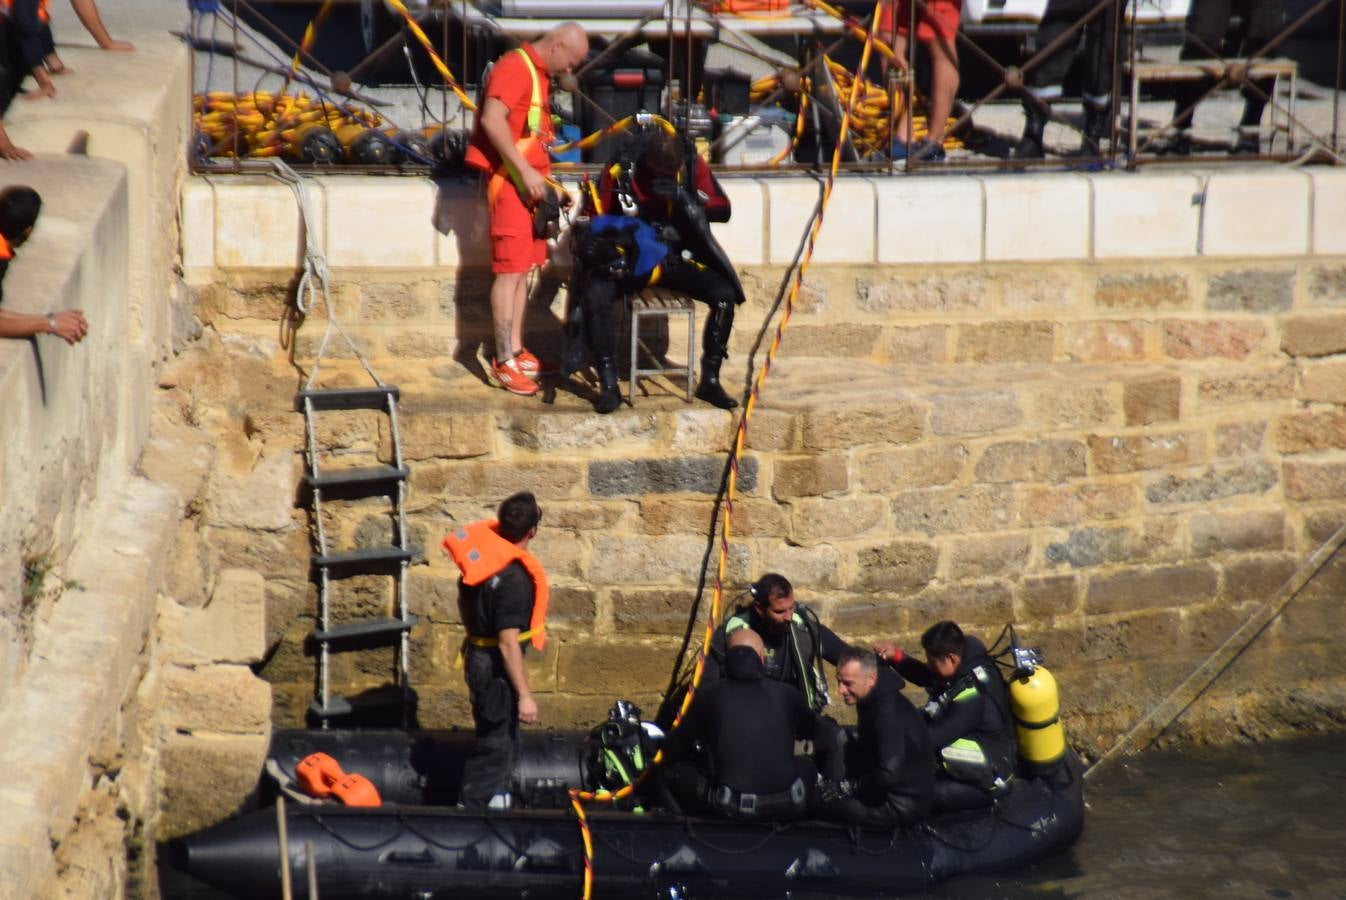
(791, 654)
(889, 760)
(969, 718)
(748, 725)
(505, 600)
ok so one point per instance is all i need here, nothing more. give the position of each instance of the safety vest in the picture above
(7, 9)
(530, 143)
(804, 656)
(983, 758)
(480, 553)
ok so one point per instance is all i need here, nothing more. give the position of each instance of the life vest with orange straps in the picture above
(6, 251)
(7, 9)
(530, 144)
(480, 552)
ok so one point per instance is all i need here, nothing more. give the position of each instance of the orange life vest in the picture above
(480, 552)
(7, 8)
(6, 251)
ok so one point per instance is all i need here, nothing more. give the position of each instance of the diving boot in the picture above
(1097, 125)
(610, 394)
(1030, 145)
(709, 388)
(714, 348)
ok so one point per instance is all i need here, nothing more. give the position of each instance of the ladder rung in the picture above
(373, 477)
(349, 398)
(376, 700)
(362, 562)
(366, 628)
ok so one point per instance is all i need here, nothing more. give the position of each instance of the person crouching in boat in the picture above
(748, 725)
(889, 781)
(502, 599)
(969, 715)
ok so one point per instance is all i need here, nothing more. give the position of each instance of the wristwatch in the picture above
(51, 323)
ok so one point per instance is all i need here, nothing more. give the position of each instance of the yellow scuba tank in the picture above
(1036, 706)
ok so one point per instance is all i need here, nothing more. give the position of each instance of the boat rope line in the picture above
(776, 830)
(857, 845)
(1148, 729)
(579, 798)
(359, 848)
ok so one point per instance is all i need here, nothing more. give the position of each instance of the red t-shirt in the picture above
(511, 84)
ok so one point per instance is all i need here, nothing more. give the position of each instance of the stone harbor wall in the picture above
(1107, 408)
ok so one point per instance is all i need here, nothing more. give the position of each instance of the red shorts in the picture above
(513, 247)
(938, 18)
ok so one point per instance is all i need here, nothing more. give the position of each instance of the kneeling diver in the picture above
(649, 224)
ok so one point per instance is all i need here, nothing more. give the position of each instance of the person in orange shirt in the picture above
(937, 28)
(509, 147)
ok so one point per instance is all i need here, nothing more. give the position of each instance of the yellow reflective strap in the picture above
(535, 101)
(524, 637)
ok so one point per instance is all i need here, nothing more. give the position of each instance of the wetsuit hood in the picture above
(974, 654)
(889, 683)
(743, 664)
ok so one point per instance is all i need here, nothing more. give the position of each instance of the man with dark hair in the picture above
(19, 208)
(748, 725)
(502, 599)
(888, 773)
(648, 223)
(969, 715)
(795, 641)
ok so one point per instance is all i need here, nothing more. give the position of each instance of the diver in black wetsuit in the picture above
(747, 725)
(970, 724)
(888, 779)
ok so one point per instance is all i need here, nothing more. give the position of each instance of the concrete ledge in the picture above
(247, 222)
(87, 652)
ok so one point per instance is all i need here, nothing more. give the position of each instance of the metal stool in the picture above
(659, 302)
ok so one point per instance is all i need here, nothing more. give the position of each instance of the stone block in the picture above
(949, 210)
(1160, 587)
(809, 476)
(1251, 290)
(843, 238)
(1256, 213)
(1117, 453)
(1256, 578)
(433, 592)
(1070, 504)
(1323, 382)
(396, 301)
(817, 520)
(1237, 532)
(257, 223)
(551, 432)
(838, 341)
(1321, 524)
(1329, 198)
(1104, 341)
(562, 552)
(817, 567)
(1235, 439)
(1046, 597)
(658, 559)
(190, 803)
(180, 457)
(1142, 292)
(954, 510)
(974, 412)
(1327, 286)
(655, 610)
(701, 430)
(1006, 342)
(1149, 401)
(873, 617)
(277, 555)
(585, 667)
(198, 223)
(1306, 432)
(223, 699)
(438, 435)
(926, 465)
(957, 293)
(902, 566)
(1086, 547)
(689, 474)
(971, 604)
(494, 481)
(401, 240)
(1073, 404)
(1315, 480)
(1136, 638)
(1253, 387)
(913, 346)
(420, 345)
(747, 197)
(843, 426)
(670, 515)
(260, 498)
(1215, 483)
(231, 628)
(1019, 461)
(980, 557)
(1043, 289)
(1204, 339)
(772, 429)
(1145, 216)
(1321, 335)
(1058, 208)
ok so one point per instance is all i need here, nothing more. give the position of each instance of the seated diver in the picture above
(649, 224)
(969, 715)
(747, 725)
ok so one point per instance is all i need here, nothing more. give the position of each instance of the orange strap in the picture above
(6, 251)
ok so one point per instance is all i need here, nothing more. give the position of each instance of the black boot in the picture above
(1035, 120)
(715, 347)
(1097, 125)
(610, 394)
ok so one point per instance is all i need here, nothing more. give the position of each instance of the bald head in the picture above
(563, 48)
(746, 637)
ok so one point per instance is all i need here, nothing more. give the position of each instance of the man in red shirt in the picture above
(937, 28)
(509, 146)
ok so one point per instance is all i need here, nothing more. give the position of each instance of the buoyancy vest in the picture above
(43, 14)
(984, 757)
(480, 553)
(804, 660)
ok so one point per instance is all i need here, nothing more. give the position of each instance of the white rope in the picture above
(314, 276)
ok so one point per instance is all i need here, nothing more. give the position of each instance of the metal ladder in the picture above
(329, 565)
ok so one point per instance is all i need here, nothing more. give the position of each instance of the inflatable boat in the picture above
(417, 845)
